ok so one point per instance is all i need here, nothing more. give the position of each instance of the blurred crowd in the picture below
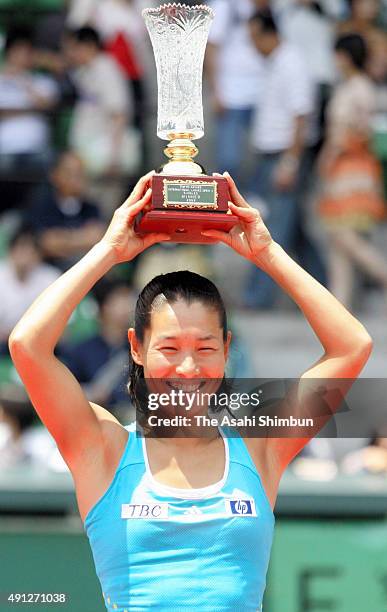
(295, 102)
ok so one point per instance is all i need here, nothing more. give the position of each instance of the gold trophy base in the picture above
(181, 152)
(185, 201)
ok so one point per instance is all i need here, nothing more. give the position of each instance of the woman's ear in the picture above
(135, 347)
(227, 345)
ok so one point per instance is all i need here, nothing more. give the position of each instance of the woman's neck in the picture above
(352, 73)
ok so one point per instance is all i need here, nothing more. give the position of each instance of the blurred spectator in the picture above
(123, 32)
(363, 21)
(369, 460)
(81, 11)
(280, 136)
(16, 416)
(234, 71)
(25, 99)
(21, 441)
(100, 130)
(67, 224)
(100, 363)
(379, 128)
(23, 276)
(49, 34)
(336, 9)
(351, 202)
(306, 25)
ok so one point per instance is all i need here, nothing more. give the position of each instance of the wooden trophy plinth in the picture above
(184, 206)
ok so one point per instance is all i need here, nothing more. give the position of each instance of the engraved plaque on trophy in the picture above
(185, 200)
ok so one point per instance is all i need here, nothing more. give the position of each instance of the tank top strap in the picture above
(239, 452)
(133, 452)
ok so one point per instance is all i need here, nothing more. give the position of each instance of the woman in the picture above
(194, 551)
(363, 20)
(351, 203)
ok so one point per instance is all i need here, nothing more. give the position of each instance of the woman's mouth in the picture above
(185, 386)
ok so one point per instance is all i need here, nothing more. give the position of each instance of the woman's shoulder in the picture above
(130, 427)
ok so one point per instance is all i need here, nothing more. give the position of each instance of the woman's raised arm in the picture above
(346, 343)
(55, 393)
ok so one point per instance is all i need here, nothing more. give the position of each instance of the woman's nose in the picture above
(187, 367)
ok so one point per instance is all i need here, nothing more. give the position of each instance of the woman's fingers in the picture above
(236, 196)
(139, 188)
(245, 214)
(150, 239)
(140, 205)
(218, 235)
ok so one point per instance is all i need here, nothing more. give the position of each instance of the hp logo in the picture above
(241, 507)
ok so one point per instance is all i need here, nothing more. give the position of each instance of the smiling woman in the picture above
(180, 341)
(176, 523)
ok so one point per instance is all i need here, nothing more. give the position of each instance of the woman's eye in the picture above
(168, 348)
(207, 348)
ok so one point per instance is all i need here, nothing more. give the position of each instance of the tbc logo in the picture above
(242, 507)
(144, 511)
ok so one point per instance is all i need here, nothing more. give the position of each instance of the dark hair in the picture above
(17, 35)
(24, 230)
(173, 286)
(16, 404)
(354, 46)
(106, 287)
(87, 35)
(59, 156)
(265, 18)
(376, 434)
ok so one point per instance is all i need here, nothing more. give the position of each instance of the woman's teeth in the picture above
(187, 387)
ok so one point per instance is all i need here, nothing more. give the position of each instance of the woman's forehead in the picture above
(183, 317)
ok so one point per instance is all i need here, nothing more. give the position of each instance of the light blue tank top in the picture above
(157, 547)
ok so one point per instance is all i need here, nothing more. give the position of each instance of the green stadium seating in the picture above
(31, 5)
(83, 322)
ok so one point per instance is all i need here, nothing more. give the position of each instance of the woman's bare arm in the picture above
(53, 390)
(346, 343)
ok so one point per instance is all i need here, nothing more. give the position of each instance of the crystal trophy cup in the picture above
(185, 200)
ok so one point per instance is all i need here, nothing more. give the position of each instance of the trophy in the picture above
(185, 200)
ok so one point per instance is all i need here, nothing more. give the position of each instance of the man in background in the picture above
(26, 98)
(234, 72)
(102, 114)
(67, 223)
(100, 362)
(279, 136)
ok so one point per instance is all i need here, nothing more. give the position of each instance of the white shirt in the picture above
(239, 69)
(351, 107)
(29, 132)
(313, 35)
(287, 93)
(81, 12)
(112, 16)
(103, 92)
(18, 295)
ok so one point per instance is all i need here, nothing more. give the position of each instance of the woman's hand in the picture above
(250, 238)
(120, 235)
